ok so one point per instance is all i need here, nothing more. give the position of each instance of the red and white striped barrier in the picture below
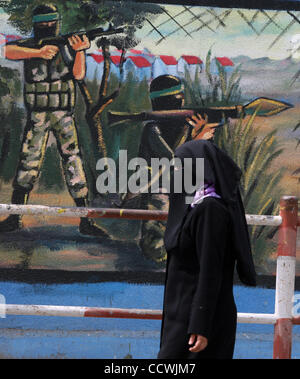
(150, 314)
(137, 214)
(282, 319)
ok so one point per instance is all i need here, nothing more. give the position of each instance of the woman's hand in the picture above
(199, 342)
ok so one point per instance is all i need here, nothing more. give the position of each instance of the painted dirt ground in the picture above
(55, 243)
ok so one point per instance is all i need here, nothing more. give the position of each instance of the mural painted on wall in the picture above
(76, 79)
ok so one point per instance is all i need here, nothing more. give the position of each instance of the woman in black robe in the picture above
(204, 241)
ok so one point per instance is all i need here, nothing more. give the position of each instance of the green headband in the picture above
(46, 17)
(166, 92)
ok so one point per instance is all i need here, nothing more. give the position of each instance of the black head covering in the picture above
(166, 83)
(41, 31)
(222, 171)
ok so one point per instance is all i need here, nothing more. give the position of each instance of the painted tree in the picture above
(84, 14)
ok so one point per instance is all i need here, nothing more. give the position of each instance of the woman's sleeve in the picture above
(210, 232)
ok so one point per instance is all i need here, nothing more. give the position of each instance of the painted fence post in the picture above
(285, 277)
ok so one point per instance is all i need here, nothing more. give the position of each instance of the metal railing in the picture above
(282, 319)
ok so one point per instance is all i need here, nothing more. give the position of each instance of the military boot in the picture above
(88, 226)
(14, 222)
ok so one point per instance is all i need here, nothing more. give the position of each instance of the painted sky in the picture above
(231, 37)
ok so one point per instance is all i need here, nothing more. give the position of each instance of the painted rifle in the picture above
(263, 107)
(91, 34)
(93, 108)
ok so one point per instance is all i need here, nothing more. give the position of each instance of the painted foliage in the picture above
(56, 120)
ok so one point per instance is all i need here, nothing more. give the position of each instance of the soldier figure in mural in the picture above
(159, 140)
(50, 96)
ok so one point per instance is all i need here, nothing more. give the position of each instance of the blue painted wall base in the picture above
(63, 337)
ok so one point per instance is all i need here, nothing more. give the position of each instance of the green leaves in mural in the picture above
(83, 14)
(253, 154)
(10, 91)
(75, 14)
(4, 89)
(11, 124)
(216, 89)
(259, 185)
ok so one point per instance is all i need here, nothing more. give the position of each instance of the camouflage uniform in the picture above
(154, 145)
(50, 96)
(39, 124)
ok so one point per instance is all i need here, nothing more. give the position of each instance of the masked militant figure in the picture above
(50, 74)
(159, 140)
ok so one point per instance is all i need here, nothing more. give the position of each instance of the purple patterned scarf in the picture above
(204, 191)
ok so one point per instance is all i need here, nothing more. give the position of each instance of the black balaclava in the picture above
(163, 91)
(222, 171)
(45, 13)
(166, 93)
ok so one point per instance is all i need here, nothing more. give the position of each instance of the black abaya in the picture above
(199, 286)
(203, 244)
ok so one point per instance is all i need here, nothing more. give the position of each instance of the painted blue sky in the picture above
(235, 37)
